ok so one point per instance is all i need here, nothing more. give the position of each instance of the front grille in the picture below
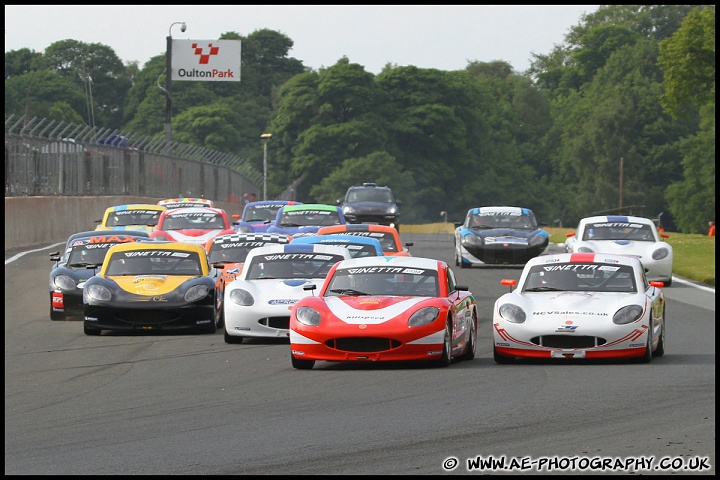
(276, 322)
(363, 344)
(568, 341)
(147, 317)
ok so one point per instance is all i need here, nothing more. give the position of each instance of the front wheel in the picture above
(499, 358)
(660, 350)
(89, 330)
(472, 341)
(301, 364)
(232, 339)
(446, 356)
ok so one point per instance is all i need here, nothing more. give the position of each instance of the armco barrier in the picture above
(37, 221)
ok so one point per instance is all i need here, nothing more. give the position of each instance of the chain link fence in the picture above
(48, 158)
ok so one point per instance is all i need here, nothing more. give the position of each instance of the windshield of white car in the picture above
(618, 231)
(580, 277)
(288, 266)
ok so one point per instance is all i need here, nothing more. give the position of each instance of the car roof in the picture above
(357, 227)
(310, 206)
(338, 238)
(396, 261)
(617, 219)
(298, 248)
(176, 211)
(273, 202)
(584, 258)
(103, 233)
(498, 209)
(157, 245)
(251, 237)
(136, 206)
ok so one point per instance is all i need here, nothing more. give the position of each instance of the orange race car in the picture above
(388, 236)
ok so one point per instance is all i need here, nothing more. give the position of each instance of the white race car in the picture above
(580, 306)
(258, 302)
(624, 235)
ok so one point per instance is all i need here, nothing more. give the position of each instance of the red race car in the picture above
(373, 309)
(192, 225)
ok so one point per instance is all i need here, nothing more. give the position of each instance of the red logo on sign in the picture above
(205, 57)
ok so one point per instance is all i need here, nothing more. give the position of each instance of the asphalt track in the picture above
(190, 404)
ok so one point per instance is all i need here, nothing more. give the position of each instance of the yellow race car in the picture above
(137, 216)
(153, 287)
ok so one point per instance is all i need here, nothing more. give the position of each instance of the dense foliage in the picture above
(620, 118)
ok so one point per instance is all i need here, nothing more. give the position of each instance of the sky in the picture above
(445, 37)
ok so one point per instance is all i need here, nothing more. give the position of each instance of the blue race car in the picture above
(257, 216)
(498, 236)
(306, 219)
(357, 245)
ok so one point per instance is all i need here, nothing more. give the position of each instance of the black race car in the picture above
(83, 256)
(498, 236)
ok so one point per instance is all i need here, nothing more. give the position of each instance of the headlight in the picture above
(242, 297)
(198, 292)
(585, 250)
(392, 210)
(512, 313)
(660, 253)
(348, 211)
(244, 229)
(97, 293)
(472, 240)
(627, 314)
(308, 316)
(63, 282)
(424, 316)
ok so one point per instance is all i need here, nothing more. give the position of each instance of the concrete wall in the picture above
(37, 221)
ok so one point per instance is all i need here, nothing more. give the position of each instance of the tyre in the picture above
(660, 350)
(89, 330)
(220, 322)
(472, 341)
(647, 357)
(446, 357)
(232, 339)
(668, 282)
(502, 359)
(301, 364)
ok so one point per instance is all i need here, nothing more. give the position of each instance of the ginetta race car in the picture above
(192, 224)
(305, 219)
(393, 308)
(257, 216)
(183, 202)
(227, 254)
(258, 302)
(498, 236)
(357, 245)
(83, 257)
(625, 235)
(152, 287)
(136, 216)
(388, 237)
(580, 306)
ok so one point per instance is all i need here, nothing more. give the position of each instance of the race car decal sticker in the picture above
(351, 315)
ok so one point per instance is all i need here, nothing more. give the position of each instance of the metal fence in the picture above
(48, 158)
